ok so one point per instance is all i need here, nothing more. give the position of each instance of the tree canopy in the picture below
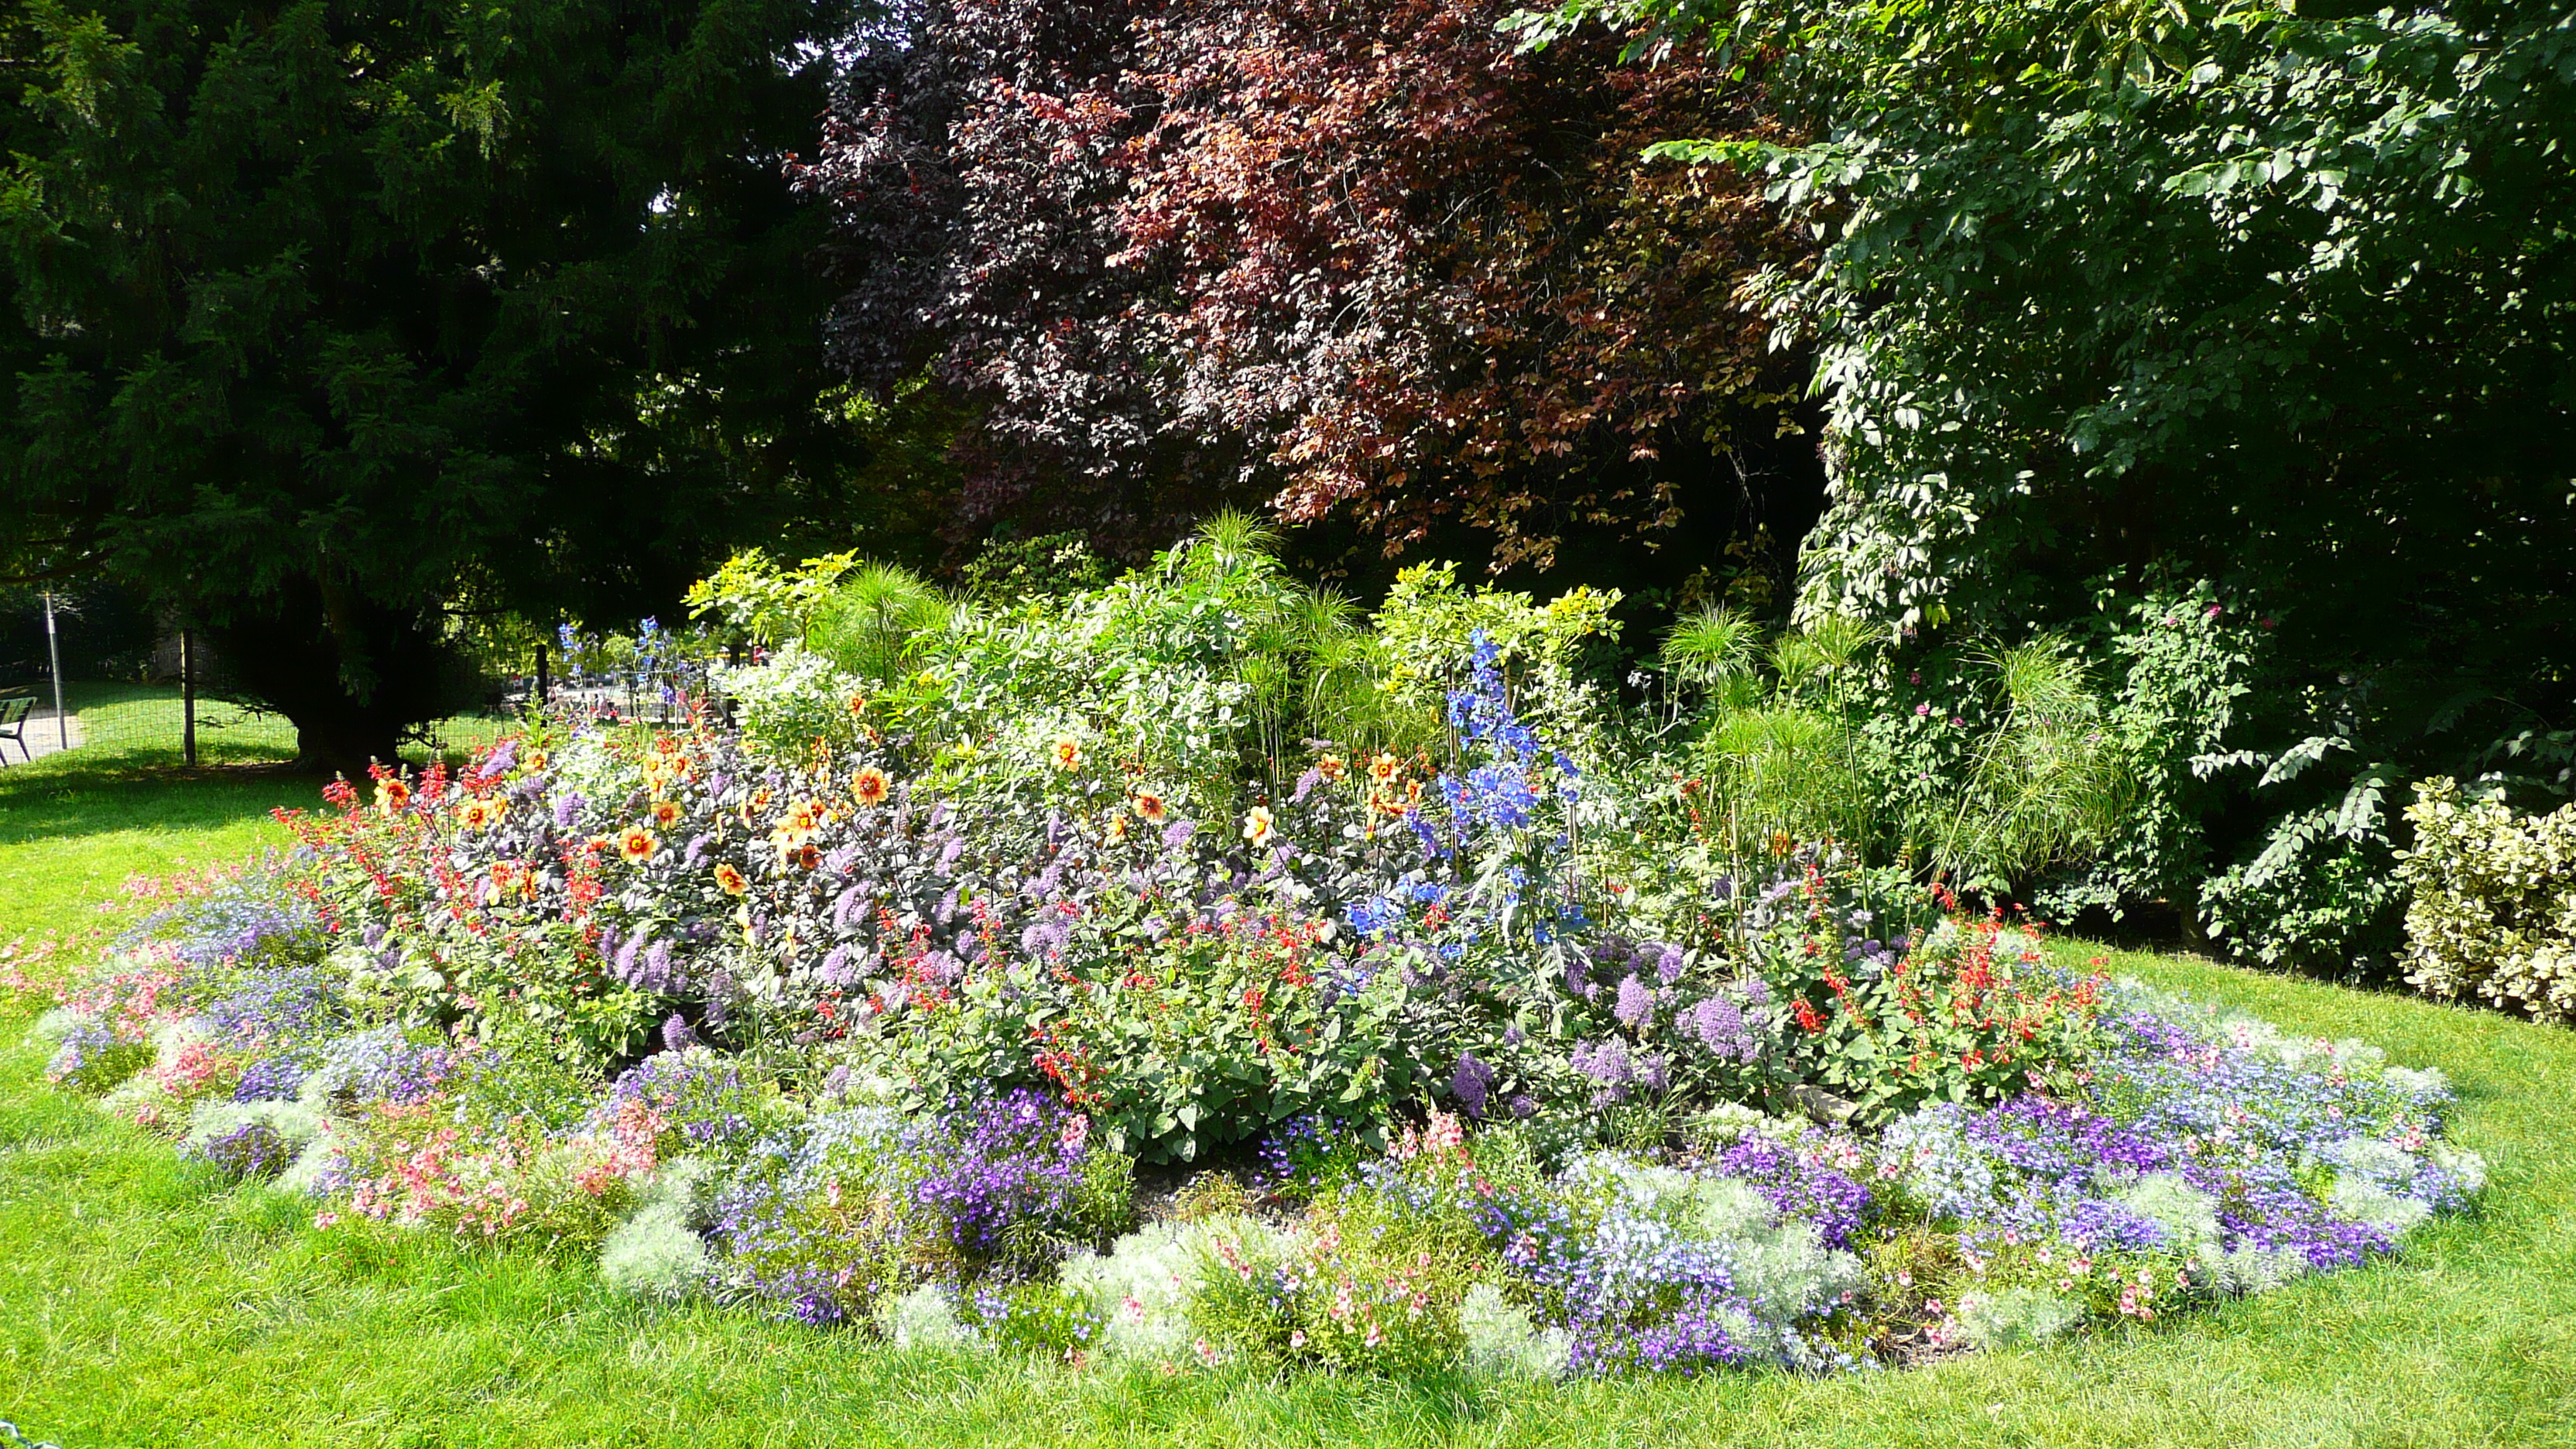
(333, 321)
(2274, 297)
(1349, 261)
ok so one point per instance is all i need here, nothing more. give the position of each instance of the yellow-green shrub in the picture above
(2493, 909)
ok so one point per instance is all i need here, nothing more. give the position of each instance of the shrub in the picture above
(1206, 1035)
(249, 1140)
(2493, 902)
(1968, 1011)
(88, 1055)
(793, 699)
(1144, 1289)
(1361, 1286)
(816, 1221)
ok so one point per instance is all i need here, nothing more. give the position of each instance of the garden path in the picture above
(42, 736)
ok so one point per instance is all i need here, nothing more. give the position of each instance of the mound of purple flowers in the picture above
(695, 1092)
(251, 1150)
(1799, 1178)
(990, 1168)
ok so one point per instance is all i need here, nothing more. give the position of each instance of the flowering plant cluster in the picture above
(880, 1029)
(1967, 1011)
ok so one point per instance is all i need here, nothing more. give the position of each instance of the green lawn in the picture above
(139, 1306)
(73, 827)
(137, 725)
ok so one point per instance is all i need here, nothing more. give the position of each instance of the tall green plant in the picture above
(2049, 782)
(1803, 750)
(878, 622)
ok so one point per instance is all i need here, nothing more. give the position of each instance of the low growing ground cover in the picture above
(146, 1294)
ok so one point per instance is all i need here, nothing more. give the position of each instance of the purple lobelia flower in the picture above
(1472, 1082)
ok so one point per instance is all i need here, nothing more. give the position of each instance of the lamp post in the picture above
(188, 696)
(54, 652)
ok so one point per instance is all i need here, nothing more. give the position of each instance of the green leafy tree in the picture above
(2271, 296)
(333, 324)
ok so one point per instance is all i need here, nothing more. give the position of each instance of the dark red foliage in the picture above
(1335, 256)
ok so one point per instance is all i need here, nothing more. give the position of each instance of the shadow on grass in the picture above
(103, 791)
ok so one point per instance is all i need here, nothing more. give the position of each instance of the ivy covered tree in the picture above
(1354, 261)
(331, 322)
(2277, 298)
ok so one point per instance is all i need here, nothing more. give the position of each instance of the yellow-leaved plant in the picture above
(2493, 902)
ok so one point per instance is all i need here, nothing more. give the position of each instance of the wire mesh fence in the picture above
(140, 724)
(164, 723)
(95, 677)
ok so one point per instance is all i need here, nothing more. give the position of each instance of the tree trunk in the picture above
(355, 676)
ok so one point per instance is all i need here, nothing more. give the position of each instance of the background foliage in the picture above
(1361, 261)
(2110, 297)
(330, 326)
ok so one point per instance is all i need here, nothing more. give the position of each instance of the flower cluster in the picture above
(252, 1150)
(880, 1028)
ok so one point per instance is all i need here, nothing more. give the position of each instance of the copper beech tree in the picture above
(1353, 259)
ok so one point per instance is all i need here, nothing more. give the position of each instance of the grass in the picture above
(142, 724)
(74, 827)
(140, 1305)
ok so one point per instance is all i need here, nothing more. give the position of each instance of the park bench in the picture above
(15, 707)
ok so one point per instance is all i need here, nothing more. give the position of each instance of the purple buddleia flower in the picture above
(1470, 1082)
(1654, 1070)
(626, 954)
(1605, 1061)
(501, 761)
(1636, 1004)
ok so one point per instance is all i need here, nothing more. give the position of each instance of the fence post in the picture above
(54, 652)
(188, 696)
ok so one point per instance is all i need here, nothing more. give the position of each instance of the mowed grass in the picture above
(141, 1305)
(75, 827)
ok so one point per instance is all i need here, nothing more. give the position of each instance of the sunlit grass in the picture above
(127, 725)
(142, 1305)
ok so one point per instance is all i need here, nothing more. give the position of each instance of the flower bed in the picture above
(1421, 1061)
